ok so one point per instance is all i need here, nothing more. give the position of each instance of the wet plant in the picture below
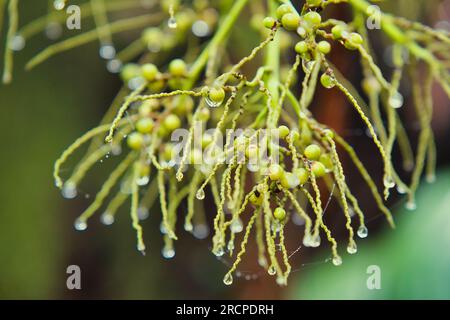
(195, 122)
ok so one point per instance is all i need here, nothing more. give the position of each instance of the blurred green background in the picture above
(45, 110)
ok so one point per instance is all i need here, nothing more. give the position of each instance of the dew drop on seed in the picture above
(228, 279)
(297, 220)
(69, 190)
(107, 52)
(201, 231)
(272, 271)
(107, 219)
(337, 261)
(362, 232)
(411, 205)
(352, 248)
(135, 83)
(396, 101)
(236, 226)
(200, 195)
(53, 30)
(168, 253)
(59, 4)
(114, 65)
(17, 43)
(172, 23)
(116, 150)
(80, 225)
(143, 213)
(211, 103)
(301, 32)
(307, 240)
(252, 167)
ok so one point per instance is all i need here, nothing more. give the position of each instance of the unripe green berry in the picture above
(135, 141)
(312, 18)
(353, 41)
(216, 95)
(145, 125)
(177, 68)
(279, 214)
(269, 22)
(168, 152)
(276, 172)
(338, 31)
(149, 71)
(289, 180)
(318, 169)
(302, 175)
(130, 71)
(301, 47)
(282, 10)
(283, 131)
(172, 122)
(327, 81)
(312, 152)
(290, 21)
(204, 114)
(324, 47)
(256, 199)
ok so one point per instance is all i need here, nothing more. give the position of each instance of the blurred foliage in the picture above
(414, 259)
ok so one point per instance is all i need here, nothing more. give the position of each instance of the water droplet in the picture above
(218, 252)
(188, 226)
(362, 232)
(388, 182)
(107, 219)
(272, 270)
(143, 213)
(107, 52)
(135, 83)
(69, 190)
(307, 240)
(315, 241)
(396, 100)
(143, 180)
(114, 65)
(17, 43)
(252, 167)
(201, 231)
(200, 195)
(59, 4)
(262, 261)
(337, 261)
(301, 32)
(297, 220)
(141, 248)
(162, 228)
(281, 281)
(53, 30)
(236, 226)
(230, 246)
(168, 252)
(212, 104)
(116, 150)
(411, 205)
(228, 279)
(400, 189)
(352, 248)
(172, 23)
(431, 178)
(80, 225)
(200, 28)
